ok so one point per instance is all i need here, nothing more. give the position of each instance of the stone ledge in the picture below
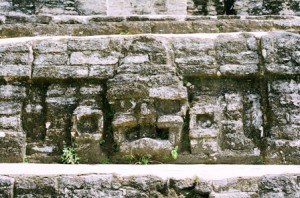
(166, 171)
(117, 181)
(166, 24)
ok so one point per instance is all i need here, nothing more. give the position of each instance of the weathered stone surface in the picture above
(225, 120)
(6, 186)
(35, 187)
(60, 104)
(281, 52)
(195, 56)
(148, 99)
(284, 132)
(88, 186)
(237, 55)
(12, 146)
(243, 7)
(87, 129)
(279, 186)
(134, 92)
(134, 7)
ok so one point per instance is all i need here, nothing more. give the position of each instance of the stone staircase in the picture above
(159, 81)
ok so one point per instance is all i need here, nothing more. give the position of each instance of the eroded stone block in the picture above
(90, 185)
(37, 186)
(6, 186)
(285, 121)
(281, 53)
(148, 99)
(87, 130)
(16, 60)
(136, 7)
(225, 120)
(195, 57)
(12, 146)
(60, 103)
(237, 55)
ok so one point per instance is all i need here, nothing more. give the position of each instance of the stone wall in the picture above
(147, 7)
(220, 98)
(244, 7)
(102, 183)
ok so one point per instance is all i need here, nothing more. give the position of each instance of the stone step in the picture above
(49, 25)
(118, 181)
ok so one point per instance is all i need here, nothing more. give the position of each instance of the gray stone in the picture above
(91, 7)
(278, 186)
(134, 7)
(6, 186)
(12, 146)
(35, 187)
(51, 59)
(237, 54)
(284, 133)
(195, 57)
(281, 53)
(12, 92)
(61, 72)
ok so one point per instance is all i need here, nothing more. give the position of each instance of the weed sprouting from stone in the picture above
(70, 156)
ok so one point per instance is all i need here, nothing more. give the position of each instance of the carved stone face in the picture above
(148, 100)
(225, 120)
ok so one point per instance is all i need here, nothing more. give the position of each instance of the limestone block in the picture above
(51, 59)
(91, 7)
(101, 55)
(136, 7)
(12, 92)
(281, 53)
(11, 98)
(40, 152)
(285, 118)
(6, 186)
(237, 55)
(195, 56)
(50, 46)
(60, 72)
(37, 186)
(141, 47)
(234, 195)
(93, 44)
(90, 185)
(15, 71)
(12, 146)
(279, 186)
(92, 58)
(101, 71)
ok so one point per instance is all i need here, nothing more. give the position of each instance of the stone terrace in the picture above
(153, 81)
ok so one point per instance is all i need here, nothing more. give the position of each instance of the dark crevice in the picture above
(185, 143)
(108, 115)
(264, 101)
(229, 7)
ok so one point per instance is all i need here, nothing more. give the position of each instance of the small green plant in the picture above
(124, 32)
(25, 160)
(145, 159)
(70, 156)
(115, 148)
(174, 153)
(105, 161)
(101, 142)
